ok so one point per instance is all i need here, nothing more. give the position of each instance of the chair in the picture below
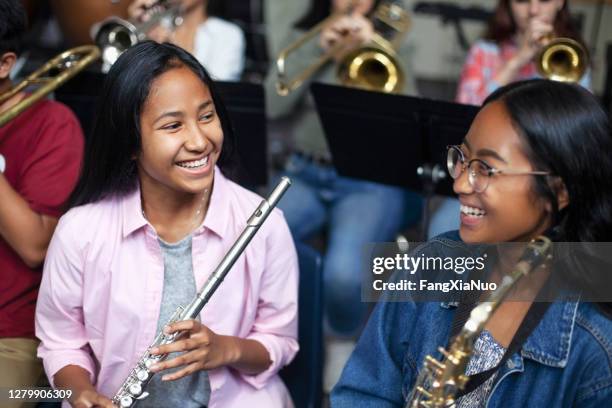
(303, 376)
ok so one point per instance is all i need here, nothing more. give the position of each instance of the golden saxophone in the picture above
(440, 381)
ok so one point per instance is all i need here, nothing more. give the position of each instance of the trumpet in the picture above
(440, 381)
(115, 35)
(373, 66)
(562, 59)
(65, 65)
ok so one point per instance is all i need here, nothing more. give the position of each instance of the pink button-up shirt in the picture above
(101, 290)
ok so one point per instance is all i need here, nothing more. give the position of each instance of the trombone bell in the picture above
(564, 60)
(373, 66)
(371, 69)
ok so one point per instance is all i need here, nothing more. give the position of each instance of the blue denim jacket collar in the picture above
(550, 342)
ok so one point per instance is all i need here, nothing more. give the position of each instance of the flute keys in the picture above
(142, 375)
(135, 389)
(126, 401)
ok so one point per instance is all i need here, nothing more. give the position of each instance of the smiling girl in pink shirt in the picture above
(153, 212)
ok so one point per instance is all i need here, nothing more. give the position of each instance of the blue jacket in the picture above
(565, 362)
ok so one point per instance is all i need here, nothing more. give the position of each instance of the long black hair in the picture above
(566, 132)
(109, 167)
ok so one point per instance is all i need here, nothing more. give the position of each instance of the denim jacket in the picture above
(565, 362)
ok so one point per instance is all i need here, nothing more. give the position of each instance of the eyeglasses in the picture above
(479, 172)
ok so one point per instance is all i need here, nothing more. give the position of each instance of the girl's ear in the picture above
(560, 191)
(7, 61)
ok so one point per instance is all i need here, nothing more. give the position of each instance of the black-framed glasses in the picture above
(479, 172)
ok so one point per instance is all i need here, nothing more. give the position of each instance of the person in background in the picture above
(352, 212)
(515, 36)
(40, 155)
(218, 44)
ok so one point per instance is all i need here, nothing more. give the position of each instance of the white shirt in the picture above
(219, 46)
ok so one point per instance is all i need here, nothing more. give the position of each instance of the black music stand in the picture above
(245, 104)
(392, 139)
(246, 107)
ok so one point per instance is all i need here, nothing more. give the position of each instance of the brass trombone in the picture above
(68, 64)
(373, 66)
(562, 59)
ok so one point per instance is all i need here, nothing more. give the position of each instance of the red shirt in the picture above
(41, 149)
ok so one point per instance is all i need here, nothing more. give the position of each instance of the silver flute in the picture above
(133, 388)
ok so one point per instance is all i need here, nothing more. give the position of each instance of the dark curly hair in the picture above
(13, 25)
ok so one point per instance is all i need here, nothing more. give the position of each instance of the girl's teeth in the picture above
(195, 163)
(475, 212)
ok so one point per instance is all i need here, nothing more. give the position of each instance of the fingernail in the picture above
(167, 330)
(165, 378)
(154, 350)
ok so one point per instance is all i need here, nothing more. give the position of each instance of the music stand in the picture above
(246, 107)
(392, 139)
(245, 104)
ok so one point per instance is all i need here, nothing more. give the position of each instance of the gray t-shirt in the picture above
(192, 391)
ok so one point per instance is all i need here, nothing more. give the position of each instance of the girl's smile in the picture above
(197, 167)
(181, 134)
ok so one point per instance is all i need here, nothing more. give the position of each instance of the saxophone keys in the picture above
(432, 362)
(424, 392)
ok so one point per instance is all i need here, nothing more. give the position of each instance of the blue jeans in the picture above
(355, 212)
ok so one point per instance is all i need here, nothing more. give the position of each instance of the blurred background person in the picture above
(515, 35)
(218, 44)
(350, 212)
(40, 156)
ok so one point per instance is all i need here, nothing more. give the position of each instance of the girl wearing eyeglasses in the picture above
(535, 160)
